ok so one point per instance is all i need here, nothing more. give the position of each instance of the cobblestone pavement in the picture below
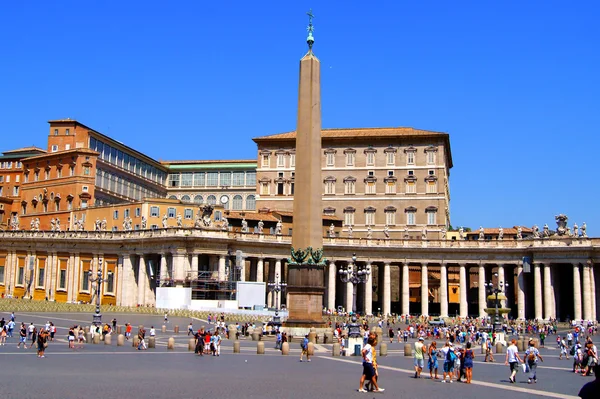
(119, 371)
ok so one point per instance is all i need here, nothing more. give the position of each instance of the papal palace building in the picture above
(196, 227)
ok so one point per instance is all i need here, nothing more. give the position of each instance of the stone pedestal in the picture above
(88, 337)
(383, 349)
(135, 341)
(285, 348)
(119, 329)
(236, 347)
(191, 344)
(499, 348)
(312, 335)
(305, 296)
(255, 335)
(163, 329)
(176, 329)
(311, 349)
(171, 343)
(120, 340)
(336, 349)
(97, 339)
(107, 339)
(152, 342)
(260, 348)
(407, 350)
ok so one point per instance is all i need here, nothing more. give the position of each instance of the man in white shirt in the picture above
(152, 331)
(512, 359)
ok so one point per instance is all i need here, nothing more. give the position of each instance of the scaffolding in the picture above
(206, 286)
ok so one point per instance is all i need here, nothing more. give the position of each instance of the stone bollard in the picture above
(499, 347)
(120, 340)
(107, 339)
(96, 339)
(536, 343)
(255, 336)
(328, 338)
(88, 338)
(336, 349)
(135, 341)
(87, 329)
(163, 329)
(191, 344)
(483, 347)
(260, 348)
(407, 350)
(312, 335)
(171, 343)
(176, 329)
(383, 349)
(236, 347)
(119, 329)
(152, 342)
(521, 345)
(285, 348)
(311, 349)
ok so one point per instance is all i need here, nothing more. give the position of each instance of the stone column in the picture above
(127, 287)
(142, 281)
(387, 289)
(537, 290)
(576, 291)
(481, 289)
(424, 290)
(243, 270)
(587, 295)
(593, 292)
(443, 290)
(260, 270)
(501, 279)
(70, 278)
(119, 281)
(330, 286)
(405, 290)
(464, 286)
(163, 271)
(520, 292)
(547, 292)
(222, 262)
(349, 292)
(194, 266)
(179, 268)
(281, 278)
(369, 291)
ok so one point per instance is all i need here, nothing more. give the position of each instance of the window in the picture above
(187, 179)
(109, 286)
(370, 158)
(281, 160)
(431, 172)
(410, 217)
(410, 158)
(265, 160)
(411, 187)
(431, 156)
(56, 132)
(154, 211)
(36, 176)
(237, 203)
(264, 188)
(71, 170)
(21, 275)
(67, 131)
(126, 213)
(369, 217)
(69, 204)
(431, 218)
(349, 218)
(330, 158)
(198, 199)
(1, 191)
(2, 179)
(211, 200)
(432, 187)
(330, 185)
(67, 146)
(171, 212)
(54, 148)
(390, 158)
(218, 216)
(225, 179)
(85, 281)
(250, 202)
(62, 281)
(199, 179)
(238, 179)
(15, 191)
(390, 218)
(350, 158)
(138, 212)
(2, 274)
(292, 160)
(370, 187)
(40, 277)
(250, 178)
(115, 215)
(186, 198)
(85, 189)
(390, 187)
(188, 214)
(174, 180)
(212, 179)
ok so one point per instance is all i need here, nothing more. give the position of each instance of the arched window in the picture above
(251, 203)
(186, 198)
(237, 203)
(211, 200)
(172, 197)
(198, 199)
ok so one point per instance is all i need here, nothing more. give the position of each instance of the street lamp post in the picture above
(354, 274)
(277, 287)
(495, 290)
(97, 318)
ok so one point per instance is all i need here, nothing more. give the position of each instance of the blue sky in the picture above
(514, 83)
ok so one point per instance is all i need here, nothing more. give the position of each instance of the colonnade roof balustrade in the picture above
(339, 248)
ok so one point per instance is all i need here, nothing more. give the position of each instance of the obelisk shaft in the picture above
(308, 224)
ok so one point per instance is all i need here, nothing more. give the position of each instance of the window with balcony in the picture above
(410, 215)
(370, 155)
(390, 216)
(329, 185)
(350, 156)
(349, 216)
(174, 180)
(369, 216)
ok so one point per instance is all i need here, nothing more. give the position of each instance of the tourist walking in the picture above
(368, 369)
(142, 336)
(449, 359)
(42, 342)
(468, 363)
(22, 336)
(420, 349)
(71, 338)
(127, 331)
(532, 355)
(512, 359)
(3, 334)
(432, 363)
(563, 349)
(304, 347)
(190, 329)
(489, 356)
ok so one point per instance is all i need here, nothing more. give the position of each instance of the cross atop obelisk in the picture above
(310, 39)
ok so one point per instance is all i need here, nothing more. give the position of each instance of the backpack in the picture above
(531, 358)
(304, 343)
(451, 357)
(572, 351)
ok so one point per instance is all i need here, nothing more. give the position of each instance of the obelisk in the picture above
(306, 267)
